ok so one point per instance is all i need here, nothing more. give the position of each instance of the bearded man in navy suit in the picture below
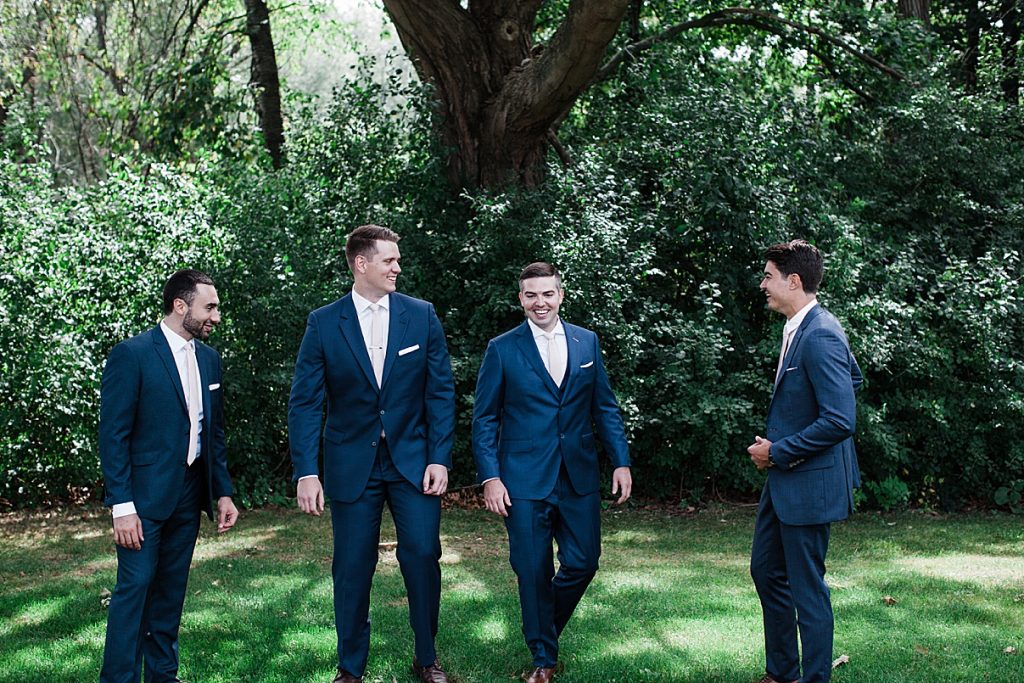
(541, 393)
(164, 461)
(812, 468)
(381, 359)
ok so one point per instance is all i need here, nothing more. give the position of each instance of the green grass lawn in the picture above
(673, 600)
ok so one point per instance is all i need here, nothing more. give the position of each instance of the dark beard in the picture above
(194, 327)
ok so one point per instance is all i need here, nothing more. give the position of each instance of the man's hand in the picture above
(227, 514)
(759, 452)
(128, 532)
(496, 497)
(622, 482)
(311, 496)
(435, 480)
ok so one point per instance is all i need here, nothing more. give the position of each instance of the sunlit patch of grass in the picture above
(672, 602)
(988, 570)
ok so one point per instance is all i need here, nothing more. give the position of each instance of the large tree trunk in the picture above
(498, 93)
(1011, 38)
(970, 63)
(263, 78)
(915, 9)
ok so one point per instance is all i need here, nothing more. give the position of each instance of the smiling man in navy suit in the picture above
(812, 468)
(381, 359)
(541, 392)
(164, 461)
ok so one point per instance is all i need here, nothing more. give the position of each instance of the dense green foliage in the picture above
(684, 169)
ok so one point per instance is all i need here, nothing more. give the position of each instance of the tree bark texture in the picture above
(974, 21)
(264, 79)
(915, 9)
(499, 93)
(1010, 14)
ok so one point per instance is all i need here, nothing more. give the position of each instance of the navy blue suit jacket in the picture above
(144, 426)
(811, 422)
(524, 427)
(415, 406)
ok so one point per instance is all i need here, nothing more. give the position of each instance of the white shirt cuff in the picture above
(123, 509)
(310, 476)
(487, 480)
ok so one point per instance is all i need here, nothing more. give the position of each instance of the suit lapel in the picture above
(528, 347)
(574, 351)
(794, 345)
(204, 387)
(354, 336)
(398, 323)
(163, 352)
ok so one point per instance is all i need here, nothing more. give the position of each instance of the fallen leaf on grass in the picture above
(105, 596)
(215, 582)
(920, 650)
(889, 600)
(1011, 650)
(840, 660)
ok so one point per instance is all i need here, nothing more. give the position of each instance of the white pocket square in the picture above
(214, 387)
(791, 369)
(408, 349)
(586, 365)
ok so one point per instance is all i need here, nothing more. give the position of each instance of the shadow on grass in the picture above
(672, 602)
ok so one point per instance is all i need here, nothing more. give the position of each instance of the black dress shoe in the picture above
(345, 677)
(432, 673)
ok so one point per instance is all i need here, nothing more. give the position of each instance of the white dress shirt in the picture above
(179, 347)
(540, 337)
(364, 314)
(792, 325)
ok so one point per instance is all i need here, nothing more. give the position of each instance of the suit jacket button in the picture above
(374, 443)
(382, 412)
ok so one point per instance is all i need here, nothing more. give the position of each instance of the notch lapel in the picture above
(573, 352)
(528, 347)
(163, 352)
(795, 344)
(353, 334)
(398, 323)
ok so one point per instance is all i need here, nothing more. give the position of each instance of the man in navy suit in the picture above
(812, 468)
(382, 360)
(541, 391)
(163, 458)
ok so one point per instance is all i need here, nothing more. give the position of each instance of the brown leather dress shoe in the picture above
(541, 674)
(767, 678)
(345, 677)
(432, 673)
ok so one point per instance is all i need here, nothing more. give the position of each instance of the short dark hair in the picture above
(540, 269)
(182, 285)
(363, 242)
(797, 256)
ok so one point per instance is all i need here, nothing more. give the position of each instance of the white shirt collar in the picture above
(362, 303)
(793, 323)
(537, 332)
(174, 340)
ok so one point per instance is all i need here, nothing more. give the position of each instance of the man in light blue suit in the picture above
(381, 359)
(541, 392)
(812, 468)
(163, 458)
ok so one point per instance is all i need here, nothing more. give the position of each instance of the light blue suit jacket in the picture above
(524, 427)
(144, 426)
(811, 422)
(415, 406)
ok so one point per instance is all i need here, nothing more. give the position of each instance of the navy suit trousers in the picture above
(787, 564)
(548, 599)
(145, 608)
(356, 528)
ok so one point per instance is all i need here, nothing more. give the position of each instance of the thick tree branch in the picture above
(740, 16)
(550, 84)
